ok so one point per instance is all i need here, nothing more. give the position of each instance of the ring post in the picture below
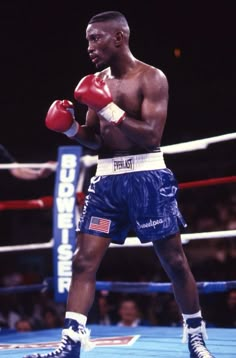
(64, 218)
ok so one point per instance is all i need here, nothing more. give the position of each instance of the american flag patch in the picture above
(99, 224)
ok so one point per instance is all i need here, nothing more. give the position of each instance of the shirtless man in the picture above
(127, 108)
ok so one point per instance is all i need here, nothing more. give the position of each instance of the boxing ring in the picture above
(119, 341)
(113, 341)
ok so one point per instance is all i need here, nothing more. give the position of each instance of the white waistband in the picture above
(130, 163)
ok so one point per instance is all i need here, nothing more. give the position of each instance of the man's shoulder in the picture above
(151, 74)
(151, 70)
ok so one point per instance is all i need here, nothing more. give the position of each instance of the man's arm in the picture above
(94, 92)
(154, 107)
(31, 174)
(23, 173)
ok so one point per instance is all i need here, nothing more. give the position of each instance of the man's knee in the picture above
(178, 266)
(82, 263)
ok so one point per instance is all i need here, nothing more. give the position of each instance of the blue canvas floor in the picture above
(155, 342)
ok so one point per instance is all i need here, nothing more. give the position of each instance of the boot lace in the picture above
(198, 346)
(56, 352)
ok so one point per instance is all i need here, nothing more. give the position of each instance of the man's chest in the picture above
(126, 93)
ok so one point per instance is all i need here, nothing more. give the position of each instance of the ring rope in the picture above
(29, 165)
(150, 287)
(197, 144)
(129, 242)
(27, 247)
(46, 202)
(208, 182)
(90, 160)
(185, 238)
(127, 287)
(131, 287)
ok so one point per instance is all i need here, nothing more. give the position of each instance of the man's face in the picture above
(100, 37)
(128, 311)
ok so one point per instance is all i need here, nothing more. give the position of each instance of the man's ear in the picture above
(119, 36)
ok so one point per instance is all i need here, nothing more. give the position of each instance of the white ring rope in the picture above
(29, 165)
(130, 241)
(185, 238)
(89, 160)
(36, 246)
(197, 144)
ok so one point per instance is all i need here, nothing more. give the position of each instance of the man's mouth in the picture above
(94, 59)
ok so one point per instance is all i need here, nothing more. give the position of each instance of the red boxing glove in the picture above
(60, 118)
(94, 92)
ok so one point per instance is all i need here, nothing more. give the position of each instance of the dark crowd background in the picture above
(43, 57)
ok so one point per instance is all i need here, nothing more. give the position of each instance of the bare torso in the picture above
(126, 93)
(129, 92)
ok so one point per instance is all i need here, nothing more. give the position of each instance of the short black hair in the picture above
(108, 15)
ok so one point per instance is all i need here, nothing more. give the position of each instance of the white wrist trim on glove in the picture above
(73, 130)
(112, 113)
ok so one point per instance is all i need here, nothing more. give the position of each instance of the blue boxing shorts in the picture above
(135, 192)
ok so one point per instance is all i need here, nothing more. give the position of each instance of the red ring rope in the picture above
(207, 182)
(46, 202)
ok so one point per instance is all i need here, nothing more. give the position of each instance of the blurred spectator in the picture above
(104, 308)
(211, 260)
(9, 313)
(231, 225)
(226, 316)
(130, 315)
(23, 325)
(170, 314)
(12, 278)
(45, 310)
(51, 319)
(23, 173)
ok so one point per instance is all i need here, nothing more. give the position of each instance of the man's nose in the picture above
(90, 48)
